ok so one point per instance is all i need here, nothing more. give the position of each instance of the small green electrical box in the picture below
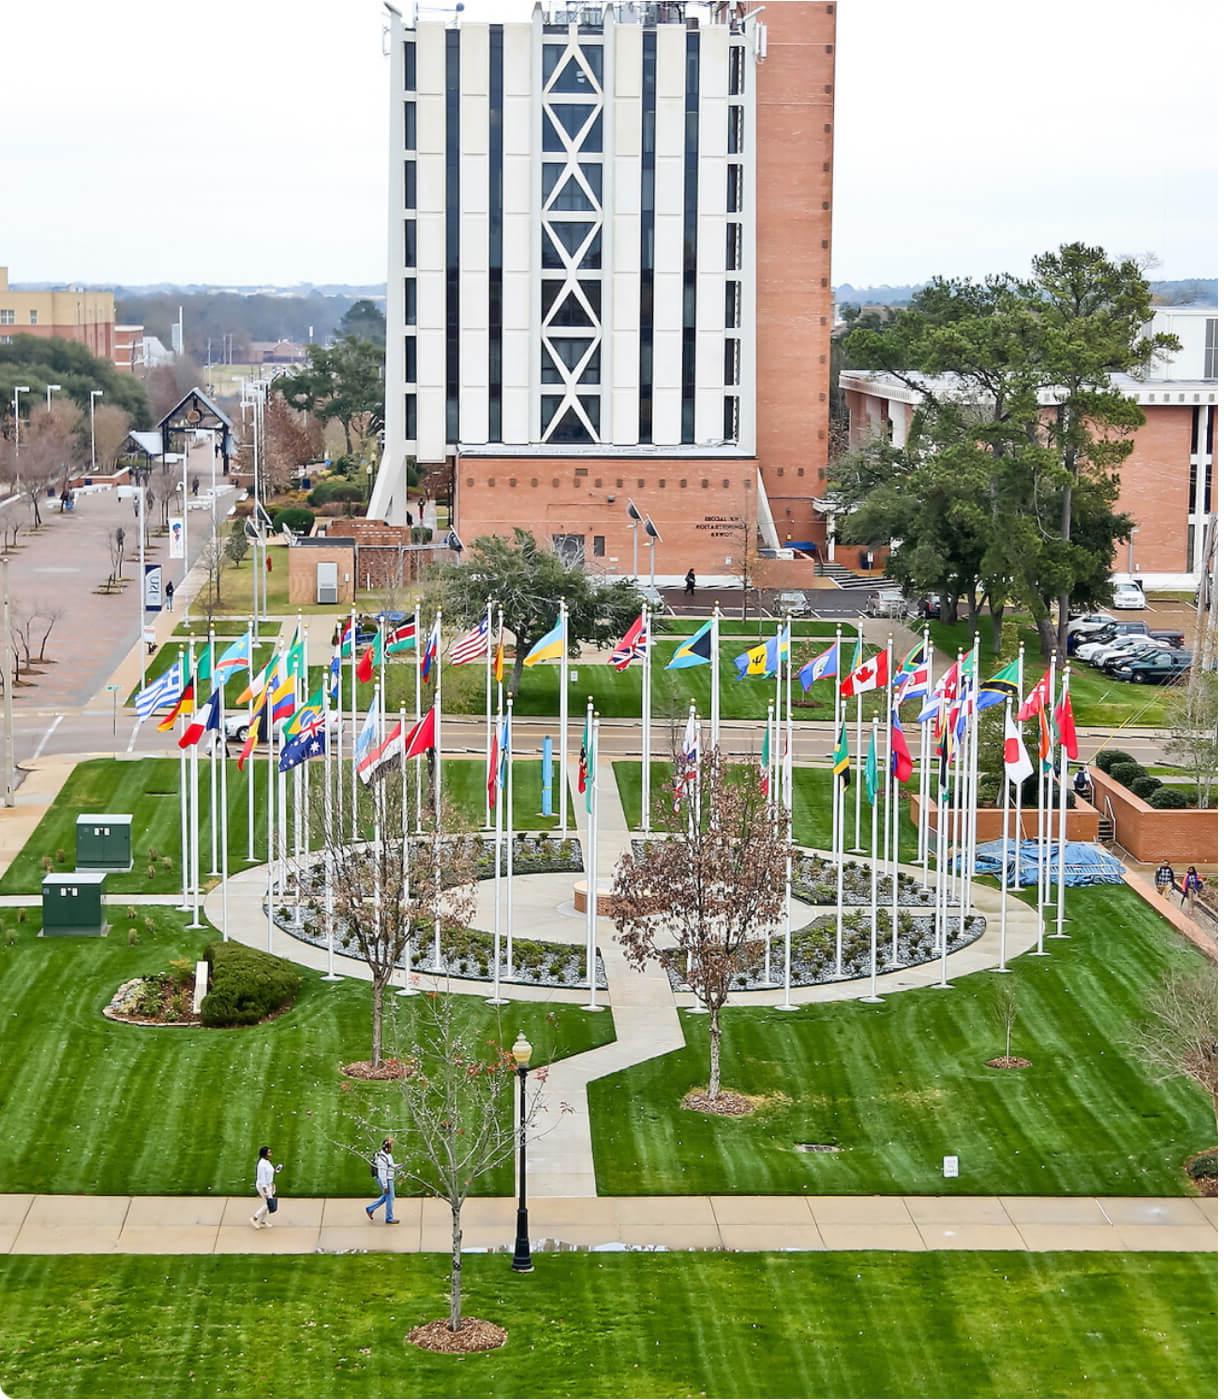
(72, 904)
(104, 841)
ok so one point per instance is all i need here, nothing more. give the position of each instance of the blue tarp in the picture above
(1087, 864)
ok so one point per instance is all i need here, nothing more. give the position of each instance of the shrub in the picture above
(245, 985)
(133, 938)
(1126, 773)
(1145, 786)
(22, 915)
(1169, 799)
(295, 518)
(1106, 759)
(1206, 1165)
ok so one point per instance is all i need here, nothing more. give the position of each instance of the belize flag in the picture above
(819, 668)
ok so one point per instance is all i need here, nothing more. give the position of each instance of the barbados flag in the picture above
(693, 651)
(548, 648)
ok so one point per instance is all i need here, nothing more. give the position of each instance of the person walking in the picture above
(1165, 879)
(1191, 888)
(690, 584)
(265, 1188)
(1083, 784)
(169, 595)
(385, 1169)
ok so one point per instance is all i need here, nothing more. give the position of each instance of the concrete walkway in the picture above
(221, 1225)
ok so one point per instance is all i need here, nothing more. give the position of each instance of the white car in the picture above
(1128, 646)
(1128, 595)
(1084, 622)
(793, 600)
(1124, 641)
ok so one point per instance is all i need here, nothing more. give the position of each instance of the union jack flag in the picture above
(631, 647)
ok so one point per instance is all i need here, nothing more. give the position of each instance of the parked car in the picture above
(1128, 594)
(885, 602)
(652, 597)
(1081, 643)
(1165, 668)
(1125, 648)
(928, 607)
(1173, 635)
(1086, 622)
(1113, 664)
(793, 600)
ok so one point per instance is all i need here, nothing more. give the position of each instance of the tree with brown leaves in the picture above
(1181, 1037)
(291, 439)
(707, 895)
(49, 452)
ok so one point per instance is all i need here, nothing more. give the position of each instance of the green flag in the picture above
(295, 657)
(841, 759)
(998, 688)
(871, 777)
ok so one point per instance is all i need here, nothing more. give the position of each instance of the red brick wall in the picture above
(1081, 821)
(794, 231)
(1151, 835)
(1156, 491)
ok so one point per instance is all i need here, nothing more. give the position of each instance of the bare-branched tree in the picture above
(1194, 726)
(49, 452)
(707, 895)
(1180, 1039)
(44, 618)
(110, 429)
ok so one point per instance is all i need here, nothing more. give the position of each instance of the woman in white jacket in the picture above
(265, 1187)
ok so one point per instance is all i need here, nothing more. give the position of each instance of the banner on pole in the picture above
(546, 778)
(176, 537)
(153, 588)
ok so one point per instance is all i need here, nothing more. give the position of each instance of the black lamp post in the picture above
(521, 1264)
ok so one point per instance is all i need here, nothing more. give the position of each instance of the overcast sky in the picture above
(243, 141)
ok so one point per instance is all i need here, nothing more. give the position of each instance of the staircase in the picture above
(1107, 831)
(847, 578)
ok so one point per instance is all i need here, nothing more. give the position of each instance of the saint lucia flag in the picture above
(694, 650)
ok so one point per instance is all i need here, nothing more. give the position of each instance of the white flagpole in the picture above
(563, 796)
(1003, 896)
(874, 752)
(212, 766)
(353, 674)
(407, 990)
(836, 722)
(1019, 792)
(646, 659)
(839, 857)
(510, 836)
(496, 999)
(301, 786)
(437, 900)
(715, 678)
(220, 743)
(194, 833)
(184, 795)
(489, 646)
(772, 800)
(329, 838)
(789, 797)
(941, 884)
(924, 763)
(969, 844)
(889, 842)
(416, 709)
(858, 757)
(250, 777)
(1048, 779)
(775, 722)
(266, 716)
(896, 846)
(592, 838)
(1062, 822)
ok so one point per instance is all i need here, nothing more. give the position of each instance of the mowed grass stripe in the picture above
(897, 1086)
(955, 1324)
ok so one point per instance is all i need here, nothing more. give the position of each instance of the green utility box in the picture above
(72, 904)
(103, 841)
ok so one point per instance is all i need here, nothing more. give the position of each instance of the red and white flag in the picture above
(1064, 720)
(631, 647)
(377, 759)
(205, 719)
(1016, 761)
(421, 736)
(1039, 697)
(871, 675)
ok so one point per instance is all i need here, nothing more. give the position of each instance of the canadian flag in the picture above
(871, 675)
(1016, 761)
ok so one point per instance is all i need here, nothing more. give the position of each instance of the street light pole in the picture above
(10, 666)
(18, 389)
(51, 389)
(521, 1264)
(93, 451)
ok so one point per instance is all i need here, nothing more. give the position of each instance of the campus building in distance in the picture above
(609, 241)
(69, 313)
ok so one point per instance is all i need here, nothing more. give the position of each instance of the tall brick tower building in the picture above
(608, 289)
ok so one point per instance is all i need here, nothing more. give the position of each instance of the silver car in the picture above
(886, 602)
(793, 600)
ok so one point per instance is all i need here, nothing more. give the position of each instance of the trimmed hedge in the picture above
(1126, 773)
(1204, 1166)
(245, 985)
(328, 492)
(296, 518)
(1106, 759)
(1169, 799)
(1145, 786)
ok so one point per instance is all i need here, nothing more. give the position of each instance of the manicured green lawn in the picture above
(89, 1105)
(897, 1086)
(876, 1324)
(148, 788)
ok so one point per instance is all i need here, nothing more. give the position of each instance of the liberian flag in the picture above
(472, 646)
(870, 675)
(631, 647)
(208, 718)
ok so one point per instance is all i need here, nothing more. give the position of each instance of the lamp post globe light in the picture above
(521, 1264)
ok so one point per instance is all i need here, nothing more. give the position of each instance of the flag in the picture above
(399, 639)
(548, 648)
(1001, 687)
(310, 743)
(368, 736)
(841, 759)
(912, 660)
(1039, 697)
(948, 685)
(472, 646)
(1016, 762)
(588, 759)
(901, 762)
(1045, 743)
(819, 668)
(694, 650)
(631, 647)
(494, 768)
(184, 706)
(499, 660)
(365, 665)
(765, 764)
(754, 662)
(237, 656)
(688, 762)
(257, 683)
(258, 730)
(421, 736)
(309, 714)
(912, 684)
(295, 657)
(279, 696)
(430, 653)
(869, 675)
(931, 704)
(209, 717)
(379, 758)
(582, 758)
(163, 691)
(348, 635)
(333, 677)
(871, 777)
(1064, 719)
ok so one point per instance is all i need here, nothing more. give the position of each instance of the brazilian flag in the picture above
(841, 759)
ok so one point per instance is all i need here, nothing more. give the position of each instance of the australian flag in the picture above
(310, 743)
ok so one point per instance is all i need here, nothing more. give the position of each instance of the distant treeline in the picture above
(1186, 291)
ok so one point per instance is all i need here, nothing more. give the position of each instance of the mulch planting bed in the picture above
(1009, 1062)
(474, 1334)
(727, 1104)
(390, 1068)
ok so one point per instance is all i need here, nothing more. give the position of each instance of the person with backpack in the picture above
(265, 1188)
(1191, 888)
(169, 595)
(383, 1168)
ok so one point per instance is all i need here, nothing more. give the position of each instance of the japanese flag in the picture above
(1016, 761)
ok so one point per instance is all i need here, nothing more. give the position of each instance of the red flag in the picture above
(421, 736)
(902, 760)
(491, 782)
(1065, 720)
(871, 675)
(365, 666)
(205, 719)
(1039, 697)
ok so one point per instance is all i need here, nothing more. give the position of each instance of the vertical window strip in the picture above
(646, 253)
(452, 235)
(688, 339)
(496, 80)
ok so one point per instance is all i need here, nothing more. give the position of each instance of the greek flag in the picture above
(165, 690)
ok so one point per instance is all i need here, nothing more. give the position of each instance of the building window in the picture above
(735, 130)
(410, 193)
(559, 359)
(688, 299)
(410, 66)
(452, 234)
(598, 545)
(410, 243)
(6, 340)
(734, 245)
(410, 294)
(410, 126)
(33, 318)
(410, 421)
(646, 248)
(735, 75)
(731, 361)
(735, 188)
(410, 359)
(731, 418)
(733, 306)
(8, 317)
(1211, 354)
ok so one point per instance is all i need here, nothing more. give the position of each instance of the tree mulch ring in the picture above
(474, 1334)
(1009, 1062)
(1198, 1167)
(391, 1068)
(727, 1103)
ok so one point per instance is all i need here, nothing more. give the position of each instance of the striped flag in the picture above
(472, 646)
(209, 717)
(164, 690)
(631, 647)
(184, 706)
